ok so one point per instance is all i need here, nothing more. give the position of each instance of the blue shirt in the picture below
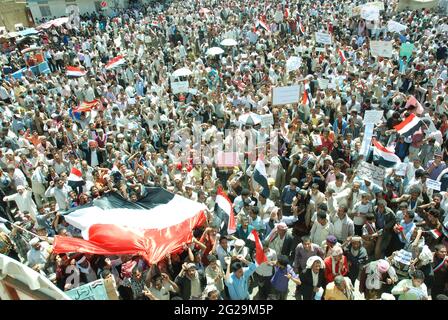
(279, 280)
(288, 195)
(408, 229)
(239, 288)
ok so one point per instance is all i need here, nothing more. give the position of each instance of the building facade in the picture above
(50, 9)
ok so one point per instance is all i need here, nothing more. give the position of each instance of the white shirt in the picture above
(264, 269)
(315, 278)
(338, 228)
(94, 160)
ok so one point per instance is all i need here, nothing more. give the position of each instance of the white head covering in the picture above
(311, 260)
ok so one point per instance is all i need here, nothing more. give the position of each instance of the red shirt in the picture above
(329, 268)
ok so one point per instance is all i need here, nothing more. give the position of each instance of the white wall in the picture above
(58, 7)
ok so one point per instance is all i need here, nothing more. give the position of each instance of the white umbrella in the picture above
(229, 42)
(182, 72)
(250, 119)
(214, 51)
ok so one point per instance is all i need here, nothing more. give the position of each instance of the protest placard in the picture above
(285, 95)
(406, 49)
(401, 169)
(323, 83)
(95, 290)
(367, 139)
(293, 63)
(323, 37)
(370, 13)
(319, 49)
(356, 11)
(370, 172)
(403, 257)
(381, 49)
(179, 87)
(433, 184)
(393, 26)
(317, 140)
(267, 120)
(373, 116)
(227, 159)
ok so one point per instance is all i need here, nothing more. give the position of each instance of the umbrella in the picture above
(182, 72)
(204, 11)
(250, 119)
(214, 51)
(229, 42)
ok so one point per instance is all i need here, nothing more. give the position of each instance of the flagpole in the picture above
(19, 227)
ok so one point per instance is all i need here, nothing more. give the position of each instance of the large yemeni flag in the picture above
(260, 256)
(86, 106)
(261, 177)
(223, 203)
(409, 125)
(158, 224)
(75, 72)
(387, 158)
(115, 62)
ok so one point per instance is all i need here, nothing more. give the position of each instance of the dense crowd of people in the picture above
(323, 228)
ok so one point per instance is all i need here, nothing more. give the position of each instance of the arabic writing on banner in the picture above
(381, 49)
(285, 95)
(323, 83)
(322, 37)
(373, 116)
(433, 184)
(293, 63)
(370, 172)
(179, 87)
(95, 290)
(393, 26)
(267, 120)
(370, 13)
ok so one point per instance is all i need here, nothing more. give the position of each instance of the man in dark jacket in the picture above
(385, 222)
(313, 280)
(282, 241)
(94, 155)
(190, 282)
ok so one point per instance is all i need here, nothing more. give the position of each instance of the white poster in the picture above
(370, 13)
(293, 63)
(367, 139)
(323, 83)
(372, 173)
(373, 116)
(267, 120)
(393, 26)
(285, 95)
(433, 184)
(401, 169)
(317, 140)
(323, 37)
(381, 49)
(180, 86)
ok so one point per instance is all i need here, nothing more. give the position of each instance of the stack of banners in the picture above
(224, 207)
(158, 224)
(115, 62)
(409, 125)
(386, 158)
(87, 106)
(75, 72)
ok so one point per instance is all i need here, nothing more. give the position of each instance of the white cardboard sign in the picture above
(285, 95)
(179, 87)
(323, 37)
(381, 49)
